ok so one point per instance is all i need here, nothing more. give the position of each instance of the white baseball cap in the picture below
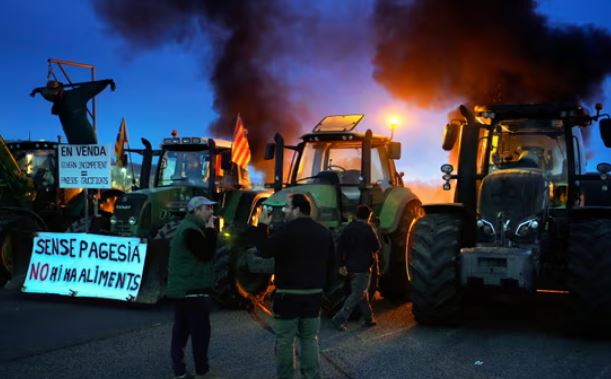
(198, 201)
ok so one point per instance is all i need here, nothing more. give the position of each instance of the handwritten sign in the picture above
(84, 166)
(86, 265)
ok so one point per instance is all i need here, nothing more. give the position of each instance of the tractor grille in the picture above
(516, 194)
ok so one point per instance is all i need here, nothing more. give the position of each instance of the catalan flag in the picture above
(120, 157)
(240, 151)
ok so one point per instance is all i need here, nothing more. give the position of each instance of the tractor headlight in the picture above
(527, 227)
(132, 220)
(486, 227)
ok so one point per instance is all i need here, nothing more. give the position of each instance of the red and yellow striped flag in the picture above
(240, 151)
(120, 157)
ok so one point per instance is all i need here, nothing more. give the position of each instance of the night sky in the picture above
(164, 81)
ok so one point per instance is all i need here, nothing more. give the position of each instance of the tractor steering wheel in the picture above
(339, 168)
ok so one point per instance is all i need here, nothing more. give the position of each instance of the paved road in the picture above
(45, 337)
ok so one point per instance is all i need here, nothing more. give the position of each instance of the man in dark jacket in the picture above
(190, 280)
(304, 255)
(358, 248)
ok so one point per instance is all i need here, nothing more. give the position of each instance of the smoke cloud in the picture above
(244, 39)
(436, 52)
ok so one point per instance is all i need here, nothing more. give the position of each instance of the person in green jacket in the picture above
(190, 281)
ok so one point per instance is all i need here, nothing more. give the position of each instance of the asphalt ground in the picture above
(51, 337)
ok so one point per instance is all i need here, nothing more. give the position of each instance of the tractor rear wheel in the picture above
(435, 288)
(241, 277)
(16, 246)
(6, 258)
(589, 265)
(394, 284)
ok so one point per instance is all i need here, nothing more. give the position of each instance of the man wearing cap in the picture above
(190, 280)
(304, 257)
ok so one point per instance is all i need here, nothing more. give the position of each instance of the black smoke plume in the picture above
(437, 52)
(245, 37)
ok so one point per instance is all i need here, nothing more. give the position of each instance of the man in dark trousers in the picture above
(304, 255)
(71, 107)
(190, 280)
(358, 248)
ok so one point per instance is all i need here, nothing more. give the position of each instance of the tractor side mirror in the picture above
(394, 150)
(226, 161)
(450, 134)
(270, 148)
(605, 131)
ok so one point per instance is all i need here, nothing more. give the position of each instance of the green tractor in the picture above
(187, 166)
(526, 216)
(338, 169)
(31, 200)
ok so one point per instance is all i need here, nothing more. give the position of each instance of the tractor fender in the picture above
(467, 215)
(395, 201)
(239, 206)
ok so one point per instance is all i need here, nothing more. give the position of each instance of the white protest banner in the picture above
(86, 265)
(84, 166)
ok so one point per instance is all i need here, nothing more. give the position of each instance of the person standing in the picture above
(358, 249)
(304, 255)
(190, 280)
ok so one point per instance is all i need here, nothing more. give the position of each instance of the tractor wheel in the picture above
(6, 258)
(15, 250)
(226, 292)
(435, 289)
(589, 265)
(394, 284)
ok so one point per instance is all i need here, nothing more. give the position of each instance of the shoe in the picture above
(339, 326)
(370, 323)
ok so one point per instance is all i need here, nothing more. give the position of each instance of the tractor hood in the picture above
(322, 196)
(510, 198)
(136, 211)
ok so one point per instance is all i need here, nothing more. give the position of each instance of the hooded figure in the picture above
(71, 107)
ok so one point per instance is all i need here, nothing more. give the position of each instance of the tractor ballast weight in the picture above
(337, 169)
(526, 216)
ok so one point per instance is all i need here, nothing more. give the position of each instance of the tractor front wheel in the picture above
(394, 283)
(433, 267)
(589, 265)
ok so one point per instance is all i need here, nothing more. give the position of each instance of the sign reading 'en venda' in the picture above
(86, 265)
(84, 166)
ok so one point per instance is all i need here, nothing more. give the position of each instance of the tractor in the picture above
(31, 200)
(187, 166)
(526, 218)
(338, 168)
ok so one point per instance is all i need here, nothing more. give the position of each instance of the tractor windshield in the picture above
(528, 144)
(40, 164)
(184, 168)
(343, 158)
